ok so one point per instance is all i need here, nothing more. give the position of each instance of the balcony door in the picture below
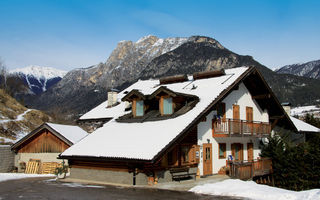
(236, 119)
(207, 159)
(237, 151)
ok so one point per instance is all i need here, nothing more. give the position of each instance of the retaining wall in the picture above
(6, 159)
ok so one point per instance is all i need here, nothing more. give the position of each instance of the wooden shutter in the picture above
(249, 114)
(236, 112)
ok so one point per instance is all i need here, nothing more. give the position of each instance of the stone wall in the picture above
(108, 176)
(6, 159)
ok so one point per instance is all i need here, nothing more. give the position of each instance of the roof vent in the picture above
(173, 79)
(208, 74)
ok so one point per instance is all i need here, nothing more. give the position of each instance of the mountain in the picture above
(16, 120)
(309, 69)
(82, 89)
(152, 57)
(38, 79)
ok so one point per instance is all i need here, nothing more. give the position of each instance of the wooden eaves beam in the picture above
(262, 96)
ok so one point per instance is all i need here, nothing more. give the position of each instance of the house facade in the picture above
(197, 122)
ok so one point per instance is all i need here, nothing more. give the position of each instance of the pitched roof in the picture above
(67, 133)
(145, 140)
(303, 126)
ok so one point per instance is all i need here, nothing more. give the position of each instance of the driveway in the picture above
(44, 188)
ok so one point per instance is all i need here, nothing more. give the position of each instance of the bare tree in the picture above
(3, 75)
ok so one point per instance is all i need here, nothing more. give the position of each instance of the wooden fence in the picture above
(248, 169)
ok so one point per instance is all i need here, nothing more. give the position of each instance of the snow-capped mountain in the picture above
(309, 69)
(37, 78)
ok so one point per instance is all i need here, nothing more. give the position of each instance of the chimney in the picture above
(112, 98)
(287, 107)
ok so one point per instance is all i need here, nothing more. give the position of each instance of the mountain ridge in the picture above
(309, 69)
(153, 57)
(37, 78)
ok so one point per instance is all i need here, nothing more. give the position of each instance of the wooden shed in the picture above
(45, 143)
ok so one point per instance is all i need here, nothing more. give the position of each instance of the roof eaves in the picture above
(133, 92)
(28, 136)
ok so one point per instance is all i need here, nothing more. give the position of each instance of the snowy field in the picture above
(303, 110)
(252, 190)
(13, 176)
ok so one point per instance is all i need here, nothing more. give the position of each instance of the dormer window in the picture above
(139, 111)
(167, 106)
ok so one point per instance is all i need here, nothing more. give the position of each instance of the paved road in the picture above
(41, 188)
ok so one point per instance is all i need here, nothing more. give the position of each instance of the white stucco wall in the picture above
(243, 98)
(240, 97)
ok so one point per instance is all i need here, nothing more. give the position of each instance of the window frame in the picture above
(224, 151)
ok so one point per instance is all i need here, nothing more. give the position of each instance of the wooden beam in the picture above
(262, 96)
(276, 117)
(274, 123)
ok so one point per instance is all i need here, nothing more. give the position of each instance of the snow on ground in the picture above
(304, 110)
(13, 176)
(252, 190)
(81, 185)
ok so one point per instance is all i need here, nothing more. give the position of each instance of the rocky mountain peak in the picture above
(310, 69)
(204, 39)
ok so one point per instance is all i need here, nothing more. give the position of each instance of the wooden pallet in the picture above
(49, 167)
(32, 167)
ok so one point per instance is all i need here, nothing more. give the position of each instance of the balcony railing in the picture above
(248, 169)
(235, 127)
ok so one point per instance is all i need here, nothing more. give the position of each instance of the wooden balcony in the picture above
(248, 169)
(240, 128)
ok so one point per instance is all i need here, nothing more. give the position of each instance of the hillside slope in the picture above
(16, 120)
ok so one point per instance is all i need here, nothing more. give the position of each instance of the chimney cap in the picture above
(286, 104)
(113, 90)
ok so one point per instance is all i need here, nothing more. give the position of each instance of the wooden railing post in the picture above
(229, 127)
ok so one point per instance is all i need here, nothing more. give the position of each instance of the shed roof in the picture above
(303, 126)
(67, 133)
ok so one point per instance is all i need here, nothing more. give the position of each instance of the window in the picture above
(139, 108)
(185, 153)
(167, 106)
(222, 150)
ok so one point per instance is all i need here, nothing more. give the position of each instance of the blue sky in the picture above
(68, 34)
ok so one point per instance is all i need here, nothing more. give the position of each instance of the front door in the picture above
(207, 159)
(250, 151)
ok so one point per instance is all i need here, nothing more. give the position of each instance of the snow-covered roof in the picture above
(303, 126)
(67, 133)
(71, 133)
(145, 140)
